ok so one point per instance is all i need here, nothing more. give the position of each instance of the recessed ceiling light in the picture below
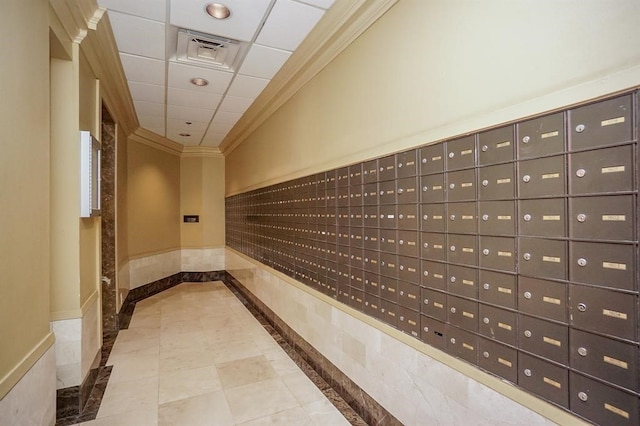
(218, 11)
(199, 81)
(186, 135)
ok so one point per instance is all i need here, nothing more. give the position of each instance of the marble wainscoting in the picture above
(147, 269)
(377, 366)
(77, 349)
(32, 401)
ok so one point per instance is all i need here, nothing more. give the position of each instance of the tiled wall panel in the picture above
(514, 249)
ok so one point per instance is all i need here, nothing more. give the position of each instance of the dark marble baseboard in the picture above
(356, 405)
(336, 385)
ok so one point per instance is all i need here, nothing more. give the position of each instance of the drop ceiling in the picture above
(166, 102)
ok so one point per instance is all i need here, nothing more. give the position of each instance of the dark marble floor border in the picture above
(358, 407)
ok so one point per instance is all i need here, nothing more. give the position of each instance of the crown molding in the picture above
(101, 51)
(201, 152)
(344, 22)
(77, 16)
(153, 140)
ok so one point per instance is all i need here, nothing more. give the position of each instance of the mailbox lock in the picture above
(381, 192)
(527, 217)
(485, 217)
(401, 242)
(486, 286)
(485, 354)
(583, 396)
(401, 292)
(526, 178)
(582, 217)
(485, 320)
(453, 311)
(452, 154)
(580, 128)
(582, 307)
(485, 148)
(452, 279)
(453, 340)
(400, 191)
(527, 372)
(452, 186)
(452, 217)
(425, 217)
(582, 262)
(527, 295)
(527, 333)
(425, 245)
(382, 286)
(485, 252)
(452, 248)
(485, 183)
(425, 273)
(399, 165)
(426, 301)
(400, 216)
(526, 256)
(526, 139)
(402, 269)
(581, 172)
(424, 161)
(582, 351)
(382, 169)
(426, 329)
(425, 188)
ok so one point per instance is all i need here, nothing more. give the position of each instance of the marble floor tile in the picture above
(245, 371)
(181, 384)
(323, 413)
(141, 394)
(293, 416)
(210, 409)
(259, 399)
(193, 355)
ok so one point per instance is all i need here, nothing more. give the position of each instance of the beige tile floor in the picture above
(194, 355)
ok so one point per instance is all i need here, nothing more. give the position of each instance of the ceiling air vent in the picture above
(207, 50)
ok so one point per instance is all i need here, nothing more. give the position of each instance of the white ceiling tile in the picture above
(145, 70)
(182, 126)
(235, 104)
(288, 24)
(138, 36)
(181, 74)
(193, 99)
(213, 139)
(243, 23)
(149, 108)
(146, 92)
(220, 128)
(192, 140)
(148, 121)
(224, 117)
(325, 4)
(263, 61)
(150, 9)
(247, 87)
(188, 114)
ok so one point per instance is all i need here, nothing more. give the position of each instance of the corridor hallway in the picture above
(195, 355)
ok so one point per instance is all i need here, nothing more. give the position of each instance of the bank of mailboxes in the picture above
(514, 249)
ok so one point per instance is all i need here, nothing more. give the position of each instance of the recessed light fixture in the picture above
(199, 81)
(217, 10)
(186, 135)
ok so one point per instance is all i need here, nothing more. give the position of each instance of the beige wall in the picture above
(431, 69)
(202, 193)
(24, 188)
(153, 200)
